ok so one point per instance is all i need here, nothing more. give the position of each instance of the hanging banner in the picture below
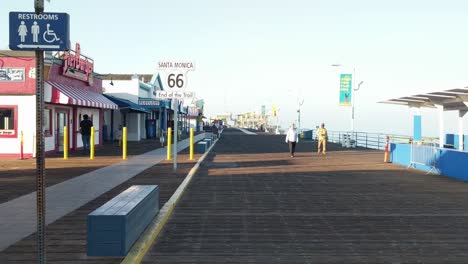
(346, 86)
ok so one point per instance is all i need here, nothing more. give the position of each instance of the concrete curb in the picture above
(143, 244)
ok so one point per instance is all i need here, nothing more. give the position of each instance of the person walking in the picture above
(162, 138)
(292, 139)
(85, 130)
(214, 130)
(322, 139)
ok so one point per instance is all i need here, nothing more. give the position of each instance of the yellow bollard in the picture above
(169, 138)
(21, 145)
(124, 141)
(191, 143)
(91, 144)
(65, 142)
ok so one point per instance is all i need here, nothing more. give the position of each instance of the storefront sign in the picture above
(78, 66)
(149, 102)
(192, 111)
(12, 75)
(346, 89)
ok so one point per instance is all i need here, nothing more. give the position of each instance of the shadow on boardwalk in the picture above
(18, 177)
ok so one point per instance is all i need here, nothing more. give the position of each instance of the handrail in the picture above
(369, 140)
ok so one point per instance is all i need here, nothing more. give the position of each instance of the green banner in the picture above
(346, 86)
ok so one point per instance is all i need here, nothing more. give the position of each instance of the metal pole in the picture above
(299, 119)
(39, 6)
(191, 143)
(176, 131)
(352, 99)
(299, 114)
(40, 160)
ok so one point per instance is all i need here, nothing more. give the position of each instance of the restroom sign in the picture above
(175, 73)
(44, 31)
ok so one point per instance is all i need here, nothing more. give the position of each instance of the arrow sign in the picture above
(23, 46)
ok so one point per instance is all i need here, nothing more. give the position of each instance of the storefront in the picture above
(70, 91)
(155, 123)
(130, 115)
(144, 116)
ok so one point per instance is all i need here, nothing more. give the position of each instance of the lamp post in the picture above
(353, 90)
(299, 103)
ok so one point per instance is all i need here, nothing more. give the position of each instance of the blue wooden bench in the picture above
(209, 141)
(114, 227)
(201, 147)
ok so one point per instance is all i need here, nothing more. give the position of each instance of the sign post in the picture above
(176, 82)
(39, 31)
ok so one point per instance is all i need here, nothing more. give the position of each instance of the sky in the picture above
(250, 53)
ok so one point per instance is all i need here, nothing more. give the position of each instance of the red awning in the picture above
(64, 94)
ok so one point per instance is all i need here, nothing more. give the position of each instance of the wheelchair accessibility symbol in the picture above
(49, 35)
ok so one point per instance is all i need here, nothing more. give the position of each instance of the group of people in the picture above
(292, 138)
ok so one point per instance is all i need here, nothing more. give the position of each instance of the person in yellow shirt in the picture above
(322, 139)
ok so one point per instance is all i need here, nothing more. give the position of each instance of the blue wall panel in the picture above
(450, 139)
(400, 154)
(417, 129)
(451, 163)
(454, 163)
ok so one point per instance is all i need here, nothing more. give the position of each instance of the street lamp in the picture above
(353, 90)
(299, 114)
(352, 106)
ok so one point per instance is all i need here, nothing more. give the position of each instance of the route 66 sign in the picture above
(176, 73)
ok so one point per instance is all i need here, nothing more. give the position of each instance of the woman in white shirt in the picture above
(292, 139)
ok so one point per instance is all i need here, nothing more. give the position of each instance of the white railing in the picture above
(424, 154)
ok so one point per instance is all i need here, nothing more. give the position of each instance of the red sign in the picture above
(17, 73)
(77, 66)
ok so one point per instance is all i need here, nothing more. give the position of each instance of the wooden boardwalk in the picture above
(66, 237)
(251, 203)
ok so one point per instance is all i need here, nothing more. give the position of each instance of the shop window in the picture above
(8, 121)
(47, 124)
